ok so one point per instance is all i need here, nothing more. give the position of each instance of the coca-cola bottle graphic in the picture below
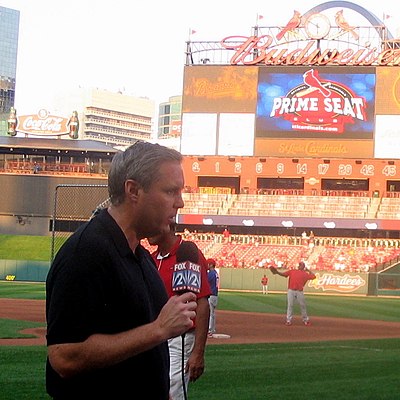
(12, 122)
(73, 125)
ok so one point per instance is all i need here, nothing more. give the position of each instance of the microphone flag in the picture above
(186, 276)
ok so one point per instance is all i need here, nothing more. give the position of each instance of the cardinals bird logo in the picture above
(311, 79)
(344, 25)
(293, 23)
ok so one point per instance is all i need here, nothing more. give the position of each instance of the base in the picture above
(220, 336)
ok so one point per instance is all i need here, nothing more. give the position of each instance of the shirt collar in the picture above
(173, 250)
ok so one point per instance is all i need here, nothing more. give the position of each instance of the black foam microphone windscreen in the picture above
(187, 251)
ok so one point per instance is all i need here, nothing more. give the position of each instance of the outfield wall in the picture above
(340, 283)
(24, 270)
(326, 282)
(245, 279)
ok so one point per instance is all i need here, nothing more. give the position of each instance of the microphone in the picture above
(186, 275)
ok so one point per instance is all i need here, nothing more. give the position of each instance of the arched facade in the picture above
(372, 19)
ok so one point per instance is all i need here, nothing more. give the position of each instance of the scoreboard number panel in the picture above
(323, 169)
(389, 170)
(367, 170)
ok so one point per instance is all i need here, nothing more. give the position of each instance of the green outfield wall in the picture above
(24, 270)
(326, 282)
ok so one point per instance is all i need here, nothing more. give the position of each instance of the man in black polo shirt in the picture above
(108, 313)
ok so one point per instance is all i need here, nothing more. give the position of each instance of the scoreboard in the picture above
(381, 174)
(293, 111)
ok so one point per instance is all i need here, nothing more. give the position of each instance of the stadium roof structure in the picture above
(39, 146)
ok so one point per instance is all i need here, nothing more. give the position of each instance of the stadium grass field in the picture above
(25, 247)
(351, 370)
(340, 370)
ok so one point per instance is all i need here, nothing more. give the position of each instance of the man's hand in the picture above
(195, 366)
(177, 315)
(273, 269)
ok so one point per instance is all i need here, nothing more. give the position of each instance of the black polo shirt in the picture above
(96, 284)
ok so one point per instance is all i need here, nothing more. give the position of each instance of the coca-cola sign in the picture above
(43, 124)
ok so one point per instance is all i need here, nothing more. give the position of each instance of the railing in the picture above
(24, 167)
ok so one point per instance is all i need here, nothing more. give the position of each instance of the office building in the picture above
(9, 29)
(169, 118)
(114, 118)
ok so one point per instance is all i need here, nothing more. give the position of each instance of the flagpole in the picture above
(191, 32)
(189, 55)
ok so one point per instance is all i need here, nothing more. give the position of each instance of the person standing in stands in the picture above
(297, 279)
(195, 339)
(108, 313)
(226, 235)
(213, 280)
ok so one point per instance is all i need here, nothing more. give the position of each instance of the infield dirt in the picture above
(241, 327)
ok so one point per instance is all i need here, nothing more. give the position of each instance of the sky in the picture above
(136, 47)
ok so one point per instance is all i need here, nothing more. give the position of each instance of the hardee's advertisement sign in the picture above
(337, 283)
(43, 123)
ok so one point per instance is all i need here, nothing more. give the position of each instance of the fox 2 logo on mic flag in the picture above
(186, 277)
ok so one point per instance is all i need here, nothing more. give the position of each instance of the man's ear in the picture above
(132, 188)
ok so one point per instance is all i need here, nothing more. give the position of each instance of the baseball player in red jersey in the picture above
(264, 284)
(297, 279)
(195, 340)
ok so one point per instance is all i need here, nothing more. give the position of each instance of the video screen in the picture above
(316, 102)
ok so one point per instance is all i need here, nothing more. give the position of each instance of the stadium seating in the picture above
(389, 208)
(277, 205)
(331, 254)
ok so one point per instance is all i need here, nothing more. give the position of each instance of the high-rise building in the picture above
(169, 118)
(9, 29)
(109, 117)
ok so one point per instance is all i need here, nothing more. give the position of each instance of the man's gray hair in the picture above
(140, 162)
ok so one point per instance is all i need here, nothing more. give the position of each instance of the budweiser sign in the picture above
(337, 283)
(43, 124)
(268, 54)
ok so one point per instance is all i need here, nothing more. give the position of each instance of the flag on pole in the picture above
(386, 16)
(191, 32)
(259, 18)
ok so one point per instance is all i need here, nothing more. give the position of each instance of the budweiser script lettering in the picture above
(254, 50)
